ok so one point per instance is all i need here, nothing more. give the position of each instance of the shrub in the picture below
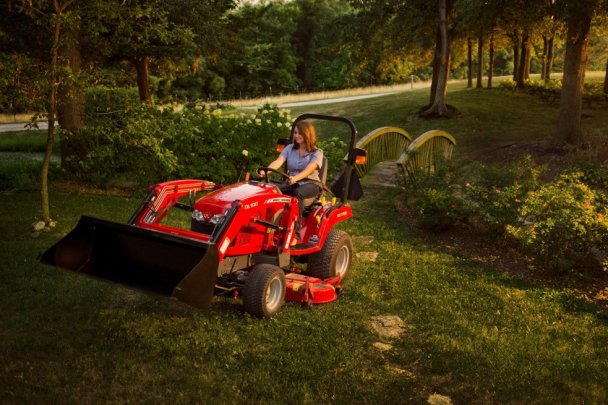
(334, 149)
(221, 145)
(102, 102)
(23, 174)
(480, 195)
(507, 84)
(592, 173)
(562, 222)
(439, 208)
(147, 145)
(498, 191)
(437, 199)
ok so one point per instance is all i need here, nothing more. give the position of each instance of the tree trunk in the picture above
(550, 58)
(70, 106)
(439, 106)
(141, 65)
(51, 108)
(524, 60)
(491, 57)
(469, 62)
(550, 53)
(544, 58)
(436, 66)
(606, 79)
(515, 55)
(480, 61)
(527, 61)
(569, 129)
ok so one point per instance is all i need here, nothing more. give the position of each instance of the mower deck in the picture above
(310, 290)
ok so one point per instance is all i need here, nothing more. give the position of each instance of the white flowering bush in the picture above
(147, 145)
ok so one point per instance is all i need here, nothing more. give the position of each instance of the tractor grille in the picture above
(202, 227)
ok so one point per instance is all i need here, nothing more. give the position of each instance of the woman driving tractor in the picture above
(304, 161)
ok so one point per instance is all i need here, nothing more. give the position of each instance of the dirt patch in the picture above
(388, 326)
(363, 240)
(367, 256)
(438, 399)
(383, 347)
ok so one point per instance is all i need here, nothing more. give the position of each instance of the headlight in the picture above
(217, 218)
(205, 217)
(197, 215)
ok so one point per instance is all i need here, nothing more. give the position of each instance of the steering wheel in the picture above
(270, 169)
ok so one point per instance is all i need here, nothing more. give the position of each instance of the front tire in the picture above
(264, 290)
(334, 258)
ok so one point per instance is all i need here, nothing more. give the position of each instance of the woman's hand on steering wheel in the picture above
(263, 172)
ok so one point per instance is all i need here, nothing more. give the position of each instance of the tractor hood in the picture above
(219, 201)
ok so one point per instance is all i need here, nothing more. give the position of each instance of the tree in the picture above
(480, 61)
(323, 44)
(22, 66)
(548, 48)
(137, 31)
(70, 101)
(262, 61)
(578, 19)
(606, 79)
(491, 59)
(469, 62)
(598, 45)
(54, 18)
(442, 61)
(522, 20)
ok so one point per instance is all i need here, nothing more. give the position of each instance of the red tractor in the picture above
(239, 242)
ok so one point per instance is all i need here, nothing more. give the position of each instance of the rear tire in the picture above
(334, 258)
(264, 290)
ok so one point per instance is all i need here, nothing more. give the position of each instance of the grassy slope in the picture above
(486, 117)
(473, 333)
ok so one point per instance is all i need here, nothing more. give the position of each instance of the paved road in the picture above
(333, 100)
(20, 126)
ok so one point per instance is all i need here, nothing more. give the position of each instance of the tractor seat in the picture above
(323, 176)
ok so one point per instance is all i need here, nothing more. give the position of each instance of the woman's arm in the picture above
(304, 173)
(275, 164)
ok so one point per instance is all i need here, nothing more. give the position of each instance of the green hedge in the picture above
(147, 145)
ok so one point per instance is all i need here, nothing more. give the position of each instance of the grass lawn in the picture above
(486, 117)
(470, 331)
(33, 141)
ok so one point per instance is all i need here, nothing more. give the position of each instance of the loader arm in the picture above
(162, 197)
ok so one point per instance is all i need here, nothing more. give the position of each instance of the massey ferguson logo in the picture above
(278, 200)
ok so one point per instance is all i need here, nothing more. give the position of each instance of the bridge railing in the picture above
(423, 154)
(385, 143)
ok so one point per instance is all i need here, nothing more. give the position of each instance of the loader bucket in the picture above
(147, 260)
